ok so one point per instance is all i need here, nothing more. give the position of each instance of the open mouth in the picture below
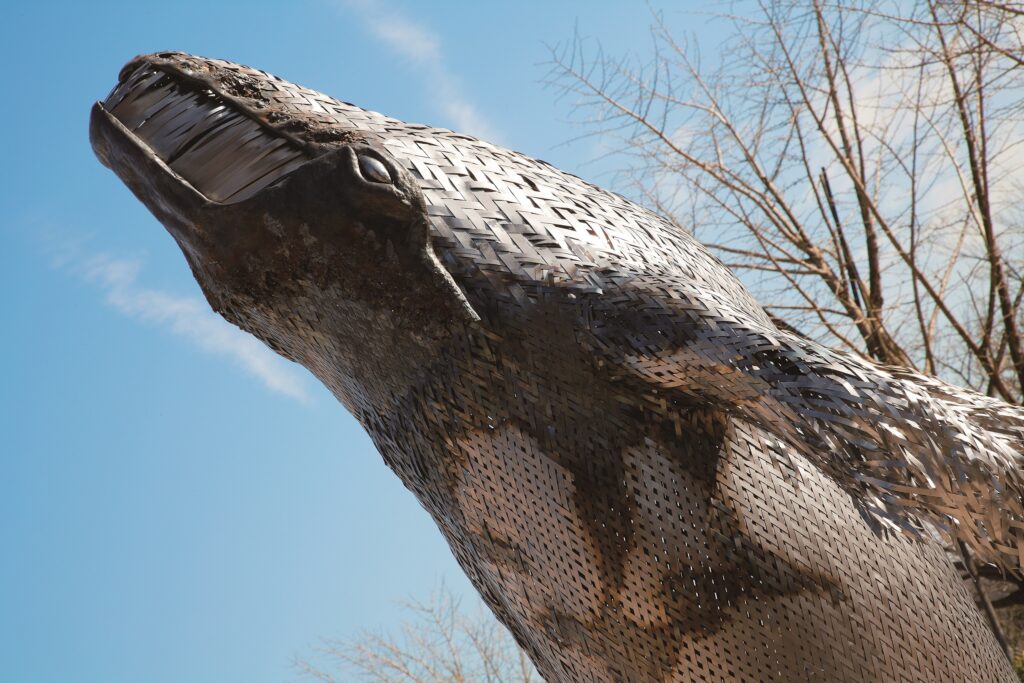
(223, 153)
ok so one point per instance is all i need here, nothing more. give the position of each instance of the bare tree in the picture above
(441, 643)
(859, 163)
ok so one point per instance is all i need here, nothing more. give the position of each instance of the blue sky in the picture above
(176, 503)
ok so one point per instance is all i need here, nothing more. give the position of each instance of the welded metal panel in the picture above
(645, 478)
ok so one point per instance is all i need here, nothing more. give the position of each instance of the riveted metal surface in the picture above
(645, 479)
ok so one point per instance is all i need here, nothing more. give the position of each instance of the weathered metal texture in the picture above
(644, 478)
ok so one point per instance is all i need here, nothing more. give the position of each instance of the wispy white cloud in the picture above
(401, 35)
(187, 317)
(422, 47)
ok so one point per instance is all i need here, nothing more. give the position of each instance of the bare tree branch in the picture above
(441, 643)
(859, 163)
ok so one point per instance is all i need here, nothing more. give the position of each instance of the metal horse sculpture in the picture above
(644, 477)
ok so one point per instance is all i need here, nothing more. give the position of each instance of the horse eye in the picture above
(372, 169)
